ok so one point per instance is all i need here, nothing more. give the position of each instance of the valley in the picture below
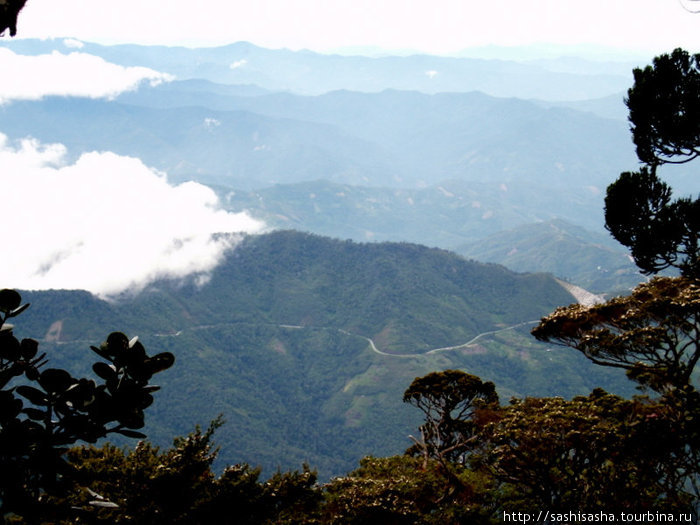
(413, 222)
(305, 344)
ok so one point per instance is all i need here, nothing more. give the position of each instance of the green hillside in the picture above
(305, 344)
(592, 260)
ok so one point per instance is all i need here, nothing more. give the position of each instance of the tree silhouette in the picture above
(664, 111)
(654, 333)
(45, 410)
(449, 400)
(598, 451)
(178, 487)
(9, 9)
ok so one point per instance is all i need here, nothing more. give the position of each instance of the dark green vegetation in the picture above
(653, 333)
(38, 423)
(475, 462)
(177, 486)
(664, 104)
(277, 342)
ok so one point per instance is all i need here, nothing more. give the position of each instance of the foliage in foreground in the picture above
(43, 411)
(9, 10)
(177, 486)
(592, 452)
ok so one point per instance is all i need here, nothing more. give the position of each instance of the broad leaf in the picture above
(35, 414)
(9, 300)
(55, 380)
(104, 370)
(34, 395)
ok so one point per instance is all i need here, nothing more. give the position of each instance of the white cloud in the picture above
(211, 123)
(238, 63)
(74, 74)
(73, 43)
(106, 223)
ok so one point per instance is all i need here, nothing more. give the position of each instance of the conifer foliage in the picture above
(654, 333)
(664, 113)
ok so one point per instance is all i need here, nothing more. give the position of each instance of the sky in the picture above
(432, 26)
(108, 223)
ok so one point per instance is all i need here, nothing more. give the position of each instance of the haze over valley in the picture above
(308, 232)
(371, 149)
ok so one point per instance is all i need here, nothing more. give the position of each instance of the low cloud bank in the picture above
(75, 74)
(106, 223)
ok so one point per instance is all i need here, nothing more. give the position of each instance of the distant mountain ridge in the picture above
(442, 169)
(313, 73)
(445, 135)
(197, 143)
(398, 139)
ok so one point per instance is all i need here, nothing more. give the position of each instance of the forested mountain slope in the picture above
(589, 259)
(305, 344)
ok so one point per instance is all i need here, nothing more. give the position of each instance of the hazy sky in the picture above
(436, 26)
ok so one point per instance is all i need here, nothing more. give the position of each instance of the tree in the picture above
(653, 334)
(9, 9)
(45, 410)
(405, 490)
(449, 400)
(177, 486)
(660, 232)
(594, 452)
(664, 110)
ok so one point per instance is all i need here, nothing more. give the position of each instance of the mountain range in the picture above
(305, 344)
(313, 73)
(356, 147)
(399, 139)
